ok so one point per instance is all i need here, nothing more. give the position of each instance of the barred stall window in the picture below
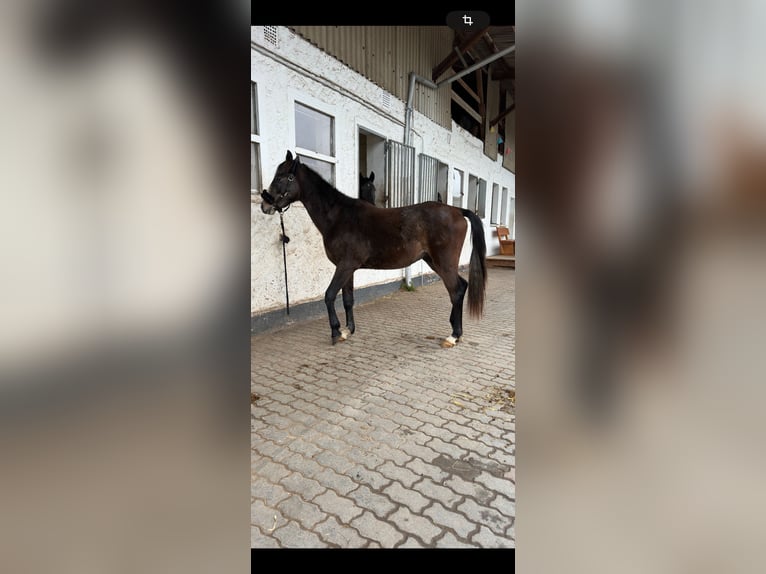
(433, 179)
(400, 174)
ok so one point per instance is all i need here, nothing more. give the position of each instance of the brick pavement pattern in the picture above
(387, 440)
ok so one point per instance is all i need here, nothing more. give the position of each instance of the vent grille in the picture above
(270, 35)
(385, 100)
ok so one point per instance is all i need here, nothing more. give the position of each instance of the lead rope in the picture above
(285, 239)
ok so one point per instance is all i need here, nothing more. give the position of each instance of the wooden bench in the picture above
(507, 245)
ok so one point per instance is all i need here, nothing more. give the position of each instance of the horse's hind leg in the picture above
(456, 287)
(348, 304)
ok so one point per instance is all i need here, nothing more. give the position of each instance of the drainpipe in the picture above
(408, 111)
(408, 137)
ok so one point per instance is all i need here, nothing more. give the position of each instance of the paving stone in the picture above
(485, 515)
(304, 513)
(339, 534)
(377, 503)
(268, 492)
(447, 448)
(259, 540)
(504, 505)
(421, 527)
(338, 463)
(268, 470)
(338, 483)
(371, 478)
(303, 465)
(399, 473)
(345, 508)
(307, 488)
(502, 486)
(410, 498)
(470, 489)
(265, 517)
(473, 446)
(291, 535)
(449, 541)
(425, 453)
(422, 468)
(377, 530)
(485, 538)
(430, 489)
(410, 543)
(450, 519)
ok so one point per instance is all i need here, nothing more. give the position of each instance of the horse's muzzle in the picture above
(267, 206)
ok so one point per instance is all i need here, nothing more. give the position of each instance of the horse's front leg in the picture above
(341, 277)
(348, 303)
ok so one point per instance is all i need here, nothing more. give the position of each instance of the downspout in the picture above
(408, 137)
(408, 111)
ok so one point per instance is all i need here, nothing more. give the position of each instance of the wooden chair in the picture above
(507, 245)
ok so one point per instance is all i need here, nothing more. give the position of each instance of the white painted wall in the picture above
(295, 70)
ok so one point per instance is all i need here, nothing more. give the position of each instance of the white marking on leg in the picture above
(344, 333)
(449, 342)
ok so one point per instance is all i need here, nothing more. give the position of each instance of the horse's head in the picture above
(367, 188)
(284, 188)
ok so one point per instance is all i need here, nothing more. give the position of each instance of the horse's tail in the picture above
(477, 273)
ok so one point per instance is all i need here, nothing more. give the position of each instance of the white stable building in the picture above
(337, 96)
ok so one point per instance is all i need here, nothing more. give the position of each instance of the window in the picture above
(315, 140)
(477, 195)
(457, 188)
(495, 210)
(255, 142)
(481, 206)
(473, 192)
(433, 179)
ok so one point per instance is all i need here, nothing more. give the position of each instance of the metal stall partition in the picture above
(429, 170)
(400, 174)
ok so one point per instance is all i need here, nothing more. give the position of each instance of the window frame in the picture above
(494, 209)
(255, 138)
(305, 100)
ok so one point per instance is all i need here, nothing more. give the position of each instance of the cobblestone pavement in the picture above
(387, 440)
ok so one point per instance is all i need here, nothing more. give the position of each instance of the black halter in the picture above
(267, 197)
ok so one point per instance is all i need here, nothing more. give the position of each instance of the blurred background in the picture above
(124, 352)
(641, 229)
(125, 360)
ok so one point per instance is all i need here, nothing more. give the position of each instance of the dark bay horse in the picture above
(359, 235)
(367, 188)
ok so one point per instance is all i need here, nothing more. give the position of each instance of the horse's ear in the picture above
(372, 176)
(297, 159)
(289, 156)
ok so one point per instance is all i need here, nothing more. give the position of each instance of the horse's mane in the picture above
(329, 194)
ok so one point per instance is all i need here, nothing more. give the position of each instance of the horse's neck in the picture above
(319, 203)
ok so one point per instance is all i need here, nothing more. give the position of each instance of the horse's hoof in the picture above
(345, 334)
(449, 342)
(340, 338)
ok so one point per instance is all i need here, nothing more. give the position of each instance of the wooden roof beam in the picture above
(452, 57)
(502, 114)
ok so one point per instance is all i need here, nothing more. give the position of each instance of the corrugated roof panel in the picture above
(387, 54)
